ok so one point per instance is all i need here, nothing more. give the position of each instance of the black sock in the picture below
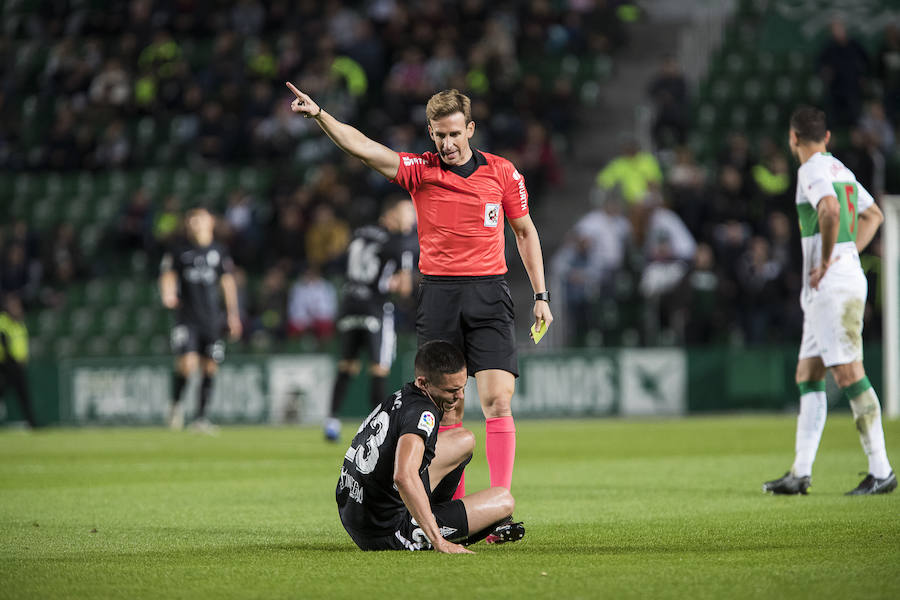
(444, 491)
(205, 387)
(376, 390)
(339, 391)
(178, 382)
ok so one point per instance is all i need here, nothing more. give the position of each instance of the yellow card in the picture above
(537, 334)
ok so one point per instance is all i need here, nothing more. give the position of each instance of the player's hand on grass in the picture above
(446, 547)
(235, 328)
(303, 104)
(541, 313)
(817, 273)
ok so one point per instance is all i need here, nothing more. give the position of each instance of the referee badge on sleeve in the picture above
(426, 422)
(491, 214)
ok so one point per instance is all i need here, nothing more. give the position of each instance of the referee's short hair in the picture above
(445, 103)
(438, 358)
(809, 124)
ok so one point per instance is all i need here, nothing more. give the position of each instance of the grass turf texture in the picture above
(617, 509)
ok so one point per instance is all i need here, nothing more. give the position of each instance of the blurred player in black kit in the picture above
(379, 263)
(191, 273)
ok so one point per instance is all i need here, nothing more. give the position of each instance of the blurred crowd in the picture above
(710, 252)
(201, 84)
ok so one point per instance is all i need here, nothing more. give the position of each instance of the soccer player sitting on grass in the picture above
(399, 476)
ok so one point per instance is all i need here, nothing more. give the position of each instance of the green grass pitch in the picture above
(613, 509)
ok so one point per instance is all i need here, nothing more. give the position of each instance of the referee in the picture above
(461, 196)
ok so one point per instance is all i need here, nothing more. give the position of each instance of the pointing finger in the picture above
(291, 87)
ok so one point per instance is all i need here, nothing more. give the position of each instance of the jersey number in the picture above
(362, 264)
(366, 454)
(850, 191)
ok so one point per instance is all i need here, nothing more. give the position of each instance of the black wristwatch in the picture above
(545, 296)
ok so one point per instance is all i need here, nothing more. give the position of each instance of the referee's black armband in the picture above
(545, 296)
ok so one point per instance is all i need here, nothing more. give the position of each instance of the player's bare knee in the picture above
(506, 501)
(848, 374)
(497, 405)
(467, 442)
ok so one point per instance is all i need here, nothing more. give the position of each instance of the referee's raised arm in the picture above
(347, 138)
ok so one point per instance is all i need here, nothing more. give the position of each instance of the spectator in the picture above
(860, 158)
(114, 148)
(284, 243)
(17, 274)
(537, 160)
(700, 317)
(875, 125)
(167, 221)
(14, 355)
(133, 226)
(112, 86)
(634, 171)
(326, 239)
(270, 306)
(668, 91)
(312, 306)
(63, 262)
(888, 70)
(686, 182)
(757, 278)
(843, 66)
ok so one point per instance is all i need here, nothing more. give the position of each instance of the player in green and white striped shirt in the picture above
(838, 218)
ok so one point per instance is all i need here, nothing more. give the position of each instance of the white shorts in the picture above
(833, 319)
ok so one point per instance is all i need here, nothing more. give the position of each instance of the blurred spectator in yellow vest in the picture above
(14, 354)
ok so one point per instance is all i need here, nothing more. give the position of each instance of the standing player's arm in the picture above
(168, 285)
(229, 291)
(348, 138)
(869, 222)
(401, 283)
(410, 450)
(529, 245)
(829, 221)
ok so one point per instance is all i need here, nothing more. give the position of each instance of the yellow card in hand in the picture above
(537, 334)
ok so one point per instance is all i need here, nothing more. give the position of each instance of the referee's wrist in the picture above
(545, 296)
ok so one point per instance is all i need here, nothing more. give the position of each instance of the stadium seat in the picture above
(98, 345)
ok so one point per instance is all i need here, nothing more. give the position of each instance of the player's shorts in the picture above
(833, 319)
(191, 338)
(451, 519)
(474, 313)
(372, 334)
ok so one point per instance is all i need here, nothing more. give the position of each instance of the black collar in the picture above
(477, 160)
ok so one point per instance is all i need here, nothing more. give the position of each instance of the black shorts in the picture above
(474, 313)
(371, 334)
(188, 338)
(450, 516)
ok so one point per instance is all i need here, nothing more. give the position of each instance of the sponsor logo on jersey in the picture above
(491, 214)
(523, 195)
(426, 422)
(409, 161)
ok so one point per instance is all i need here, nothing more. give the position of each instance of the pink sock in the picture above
(461, 488)
(500, 447)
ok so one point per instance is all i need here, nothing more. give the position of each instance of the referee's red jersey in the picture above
(461, 218)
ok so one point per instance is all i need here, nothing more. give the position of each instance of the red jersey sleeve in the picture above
(412, 167)
(515, 196)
